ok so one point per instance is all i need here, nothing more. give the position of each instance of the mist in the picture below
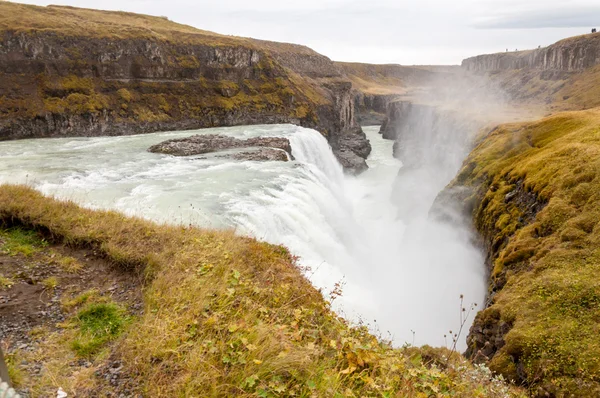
(421, 269)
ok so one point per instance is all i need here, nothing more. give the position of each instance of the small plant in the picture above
(464, 316)
(81, 299)
(338, 291)
(70, 264)
(5, 283)
(50, 283)
(124, 94)
(98, 324)
(14, 372)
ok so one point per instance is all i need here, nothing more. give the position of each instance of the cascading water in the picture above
(405, 274)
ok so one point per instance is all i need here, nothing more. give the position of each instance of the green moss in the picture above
(549, 259)
(98, 324)
(17, 241)
(124, 94)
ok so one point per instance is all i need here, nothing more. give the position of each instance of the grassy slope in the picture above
(104, 24)
(550, 266)
(375, 79)
(227, 315)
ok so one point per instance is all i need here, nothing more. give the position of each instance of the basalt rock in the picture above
(569, 55)
(263, 155)
(208, 143)
(142, 74)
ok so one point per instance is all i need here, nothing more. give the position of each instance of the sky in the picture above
(424, 32)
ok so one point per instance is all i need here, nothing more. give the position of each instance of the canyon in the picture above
(495, 166)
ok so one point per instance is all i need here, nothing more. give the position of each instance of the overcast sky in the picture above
(379, 31)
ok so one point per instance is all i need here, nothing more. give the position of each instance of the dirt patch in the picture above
(42, 290)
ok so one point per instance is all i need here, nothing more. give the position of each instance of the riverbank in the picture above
(240, 305)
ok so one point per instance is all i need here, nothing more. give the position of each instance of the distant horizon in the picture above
(348, 31)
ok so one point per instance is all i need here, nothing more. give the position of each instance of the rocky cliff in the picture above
(532, 191)
(68, 71)
(569, 55)
(425, 133)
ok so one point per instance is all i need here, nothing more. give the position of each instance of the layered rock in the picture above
(208, 143)
(142, 74)
(569, 55)
(427, 134)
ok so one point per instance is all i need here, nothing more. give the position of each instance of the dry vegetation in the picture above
(71, 21)
(536, 201)
(226, 316)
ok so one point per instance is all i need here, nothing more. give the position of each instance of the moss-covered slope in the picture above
(229, 316)
(535, 198)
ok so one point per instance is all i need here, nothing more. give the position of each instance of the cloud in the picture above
(554, 17)
(398, 31)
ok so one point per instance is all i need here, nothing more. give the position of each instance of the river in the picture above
(402, 275)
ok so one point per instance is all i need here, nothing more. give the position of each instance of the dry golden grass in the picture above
(230, 316)
(105, 24)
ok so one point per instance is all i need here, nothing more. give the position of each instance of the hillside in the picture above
(70, 71)
(562, 76)
(532, 189)
(220, 315)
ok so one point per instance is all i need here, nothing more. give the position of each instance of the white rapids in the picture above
(401, 277)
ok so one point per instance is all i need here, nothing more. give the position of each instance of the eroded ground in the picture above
(60, 310)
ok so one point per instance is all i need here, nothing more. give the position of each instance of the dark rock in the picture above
(208, 143)
(351, 162)
(565, 55)
(263, 155)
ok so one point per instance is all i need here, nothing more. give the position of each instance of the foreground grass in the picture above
(230, 316)
(536, 200)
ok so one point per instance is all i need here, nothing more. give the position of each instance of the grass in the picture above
(6, 283)
(50, 283)
(230, 316)
(545, 246)
(69, 264)
(99, 323)
(104, 24)
(17, 241)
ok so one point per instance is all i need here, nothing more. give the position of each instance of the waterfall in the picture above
(406, 274)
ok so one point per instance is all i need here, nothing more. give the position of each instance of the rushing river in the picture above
(401, 275)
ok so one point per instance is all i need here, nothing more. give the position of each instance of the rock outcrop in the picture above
(569, 55)
(207, 143)
(143, 74)
(427, 134)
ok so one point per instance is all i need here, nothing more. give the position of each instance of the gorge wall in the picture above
(569, 55)
(69, 72)
(426, 133)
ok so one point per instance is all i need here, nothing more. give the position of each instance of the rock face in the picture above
(569, 55)
(142, 74)
(262, 155)
(371, 108)
(427, 134)
(208, 143)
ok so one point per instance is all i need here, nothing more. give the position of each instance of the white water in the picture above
(407, 275)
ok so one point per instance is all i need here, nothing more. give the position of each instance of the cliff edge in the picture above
(76, 72)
